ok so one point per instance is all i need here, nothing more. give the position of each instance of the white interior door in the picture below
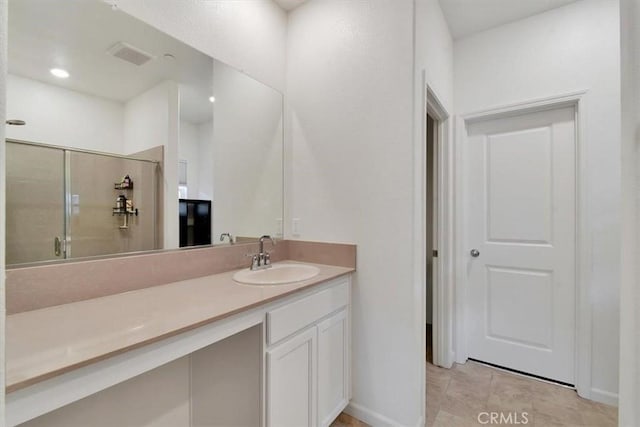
(521, 224)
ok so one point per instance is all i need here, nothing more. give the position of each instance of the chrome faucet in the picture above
(223, 235)
(273, 242)
(262, 259)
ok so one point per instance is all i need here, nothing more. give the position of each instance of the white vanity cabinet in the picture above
(291, 381)
(279, 364)
(308, 359)
(333, 367)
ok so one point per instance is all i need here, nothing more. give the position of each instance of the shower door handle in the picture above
(57, 246)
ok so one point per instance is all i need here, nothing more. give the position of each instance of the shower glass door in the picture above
(60, 204)
(35, 211)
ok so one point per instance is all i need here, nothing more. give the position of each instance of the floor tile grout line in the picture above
(523, 390)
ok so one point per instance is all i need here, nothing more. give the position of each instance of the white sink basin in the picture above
(278, 274)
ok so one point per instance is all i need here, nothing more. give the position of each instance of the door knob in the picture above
(475, 253)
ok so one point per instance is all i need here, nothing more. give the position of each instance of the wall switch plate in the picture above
(295, 227)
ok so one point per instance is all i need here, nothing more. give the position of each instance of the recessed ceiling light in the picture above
(212, 99)
(59, 73)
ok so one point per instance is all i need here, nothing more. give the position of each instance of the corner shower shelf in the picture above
(121, 186)
(125, 184)
(124, 206)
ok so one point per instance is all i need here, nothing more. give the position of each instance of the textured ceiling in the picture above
(76, 35)
(466, 17)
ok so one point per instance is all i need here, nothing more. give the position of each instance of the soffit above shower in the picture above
(467, 17)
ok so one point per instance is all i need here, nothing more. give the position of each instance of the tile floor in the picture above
(455, 398)
(345, 420)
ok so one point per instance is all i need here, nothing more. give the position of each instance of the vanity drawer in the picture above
(285, 320)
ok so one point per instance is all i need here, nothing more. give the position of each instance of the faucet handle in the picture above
(223, 235)
(255, 261)
(267, 258)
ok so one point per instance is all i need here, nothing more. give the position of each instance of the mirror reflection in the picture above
(132, 140)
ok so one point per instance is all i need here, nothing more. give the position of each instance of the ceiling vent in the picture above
(129, 53)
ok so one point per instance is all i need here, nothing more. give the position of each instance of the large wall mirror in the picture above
(123, 139)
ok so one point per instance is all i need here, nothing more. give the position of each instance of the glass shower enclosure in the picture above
(66, 203)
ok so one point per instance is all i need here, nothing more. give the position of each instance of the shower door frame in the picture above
(67, 201)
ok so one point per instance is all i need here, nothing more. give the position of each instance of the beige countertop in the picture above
(44, 343)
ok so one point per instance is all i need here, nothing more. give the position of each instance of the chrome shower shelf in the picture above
(122, 186)
(123, 211)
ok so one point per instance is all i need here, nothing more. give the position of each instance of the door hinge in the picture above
(435, 253)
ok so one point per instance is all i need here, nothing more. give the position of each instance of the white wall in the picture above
(434, 50)
(205, 161)
(60, 116)
(196, 147)
(249, 35)
(350, 95)
(629, 410)
(152, 119)
(572, 48)
(146, 119)
(189, 150)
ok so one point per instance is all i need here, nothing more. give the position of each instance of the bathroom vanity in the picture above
(165, 338)
(202, 351)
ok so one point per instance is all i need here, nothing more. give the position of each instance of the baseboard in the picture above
(370, 417)
(605, 397)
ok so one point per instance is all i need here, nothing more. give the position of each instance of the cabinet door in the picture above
(333, 367)
(291, 382)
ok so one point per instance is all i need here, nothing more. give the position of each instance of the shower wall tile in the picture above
(93, 228)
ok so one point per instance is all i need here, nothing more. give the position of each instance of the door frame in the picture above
(578, 101)
(442, 295)
(443, 321)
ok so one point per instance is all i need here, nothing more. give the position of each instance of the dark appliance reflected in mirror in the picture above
(195, 222)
